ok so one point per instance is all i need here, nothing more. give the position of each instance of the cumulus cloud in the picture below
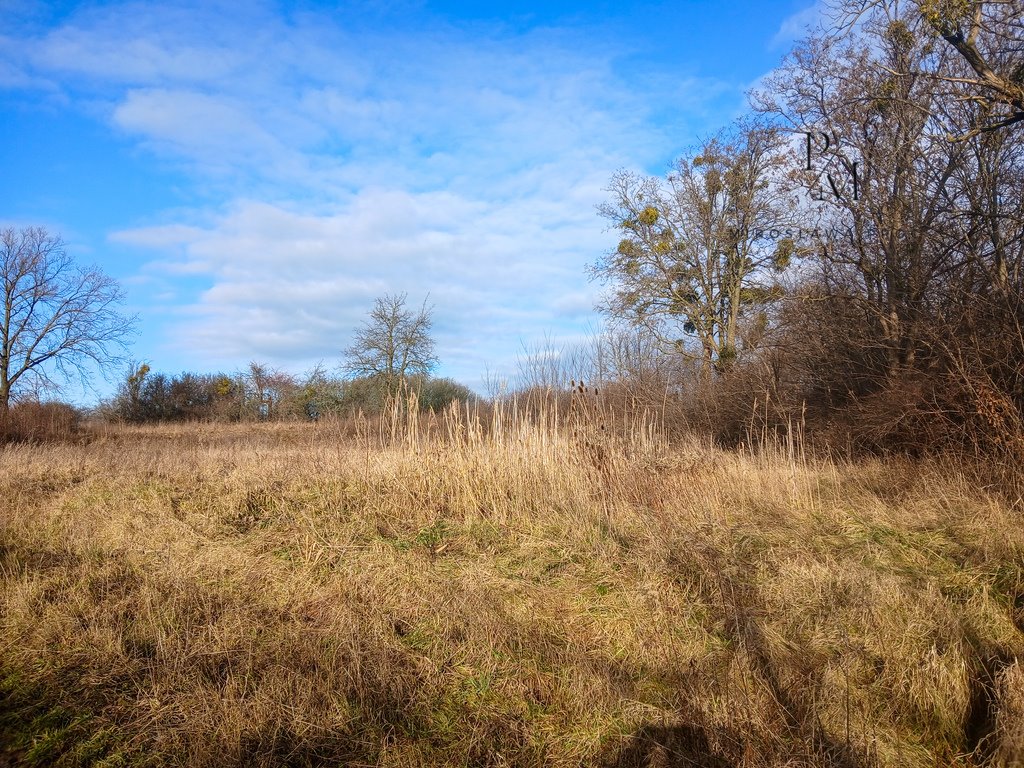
(289, 285)
(341, 163)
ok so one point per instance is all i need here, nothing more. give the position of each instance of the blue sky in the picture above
(256, 173)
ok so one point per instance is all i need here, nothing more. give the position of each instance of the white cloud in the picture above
(797, 25)
(131, 60)
(218, 136)
(292, 286)
(346, 164)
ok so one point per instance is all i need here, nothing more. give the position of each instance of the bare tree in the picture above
(58, 319)
(267, 388)
(548, 365)
(697, 253)
(921, 267)
(393, 344)
(987, 37)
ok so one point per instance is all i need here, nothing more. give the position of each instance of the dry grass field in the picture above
(532, 593)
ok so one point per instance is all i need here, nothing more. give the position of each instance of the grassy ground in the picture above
(532, 595)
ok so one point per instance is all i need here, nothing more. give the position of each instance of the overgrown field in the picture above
(533, 595)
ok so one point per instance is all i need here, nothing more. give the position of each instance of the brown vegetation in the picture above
(35, 422)
(531, 590)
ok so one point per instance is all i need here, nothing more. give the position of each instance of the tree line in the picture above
(261, 393)
(391, 357)
(849, 255)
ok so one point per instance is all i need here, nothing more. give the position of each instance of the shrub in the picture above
(438, 394)
(32, 421)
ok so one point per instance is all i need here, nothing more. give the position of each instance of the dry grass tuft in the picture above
(528, 588)
(34, 422)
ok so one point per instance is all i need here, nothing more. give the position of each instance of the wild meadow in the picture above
(515, 587)
(781, 526)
